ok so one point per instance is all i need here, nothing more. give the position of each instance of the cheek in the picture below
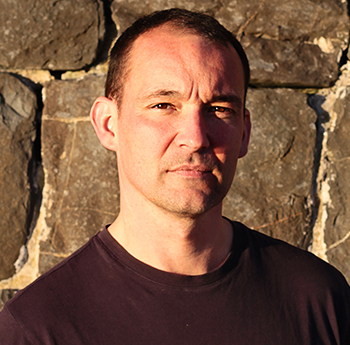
(143, 139)
(226, 141)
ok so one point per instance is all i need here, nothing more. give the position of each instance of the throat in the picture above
(197, 251)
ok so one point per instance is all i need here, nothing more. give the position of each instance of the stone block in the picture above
(49, 34)
(18, 107)
(273, 182)
(124, 13)
(6, 295)
(294, 43)
(290, 63)
(81, 192)
(289, 43)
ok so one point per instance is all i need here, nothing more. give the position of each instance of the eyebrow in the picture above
(228, 98)
(162, 93)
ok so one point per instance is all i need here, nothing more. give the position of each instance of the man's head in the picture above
(186, 21)
(179, 127)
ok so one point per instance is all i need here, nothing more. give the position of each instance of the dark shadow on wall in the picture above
(110, 34)
(6, 295)
(35, 173)
(35, 177)
(316, 102)
(344, 58)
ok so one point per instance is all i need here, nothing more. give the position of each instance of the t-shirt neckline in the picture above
(172, 279)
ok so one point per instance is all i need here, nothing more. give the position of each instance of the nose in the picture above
(193, 130)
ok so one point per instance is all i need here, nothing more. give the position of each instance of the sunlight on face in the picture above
(180, 126)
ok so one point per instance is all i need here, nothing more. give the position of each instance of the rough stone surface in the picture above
(289, 43)
(50, 34)
(289, 63)
(81, 189)
(18, 106)
(281, 36)
(124, 13)
(337, 235)
(273, 182)
(6, 295)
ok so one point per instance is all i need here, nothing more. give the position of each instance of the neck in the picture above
(172, 243)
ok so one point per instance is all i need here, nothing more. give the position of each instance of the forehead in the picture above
(179, 54)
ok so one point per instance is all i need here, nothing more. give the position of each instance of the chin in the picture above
(191, 205)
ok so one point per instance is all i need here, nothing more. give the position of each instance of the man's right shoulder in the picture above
(61, 277)
(43, 301)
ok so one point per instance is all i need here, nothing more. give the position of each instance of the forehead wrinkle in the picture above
(186, 66)
(161, 93)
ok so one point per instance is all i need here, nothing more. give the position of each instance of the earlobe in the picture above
(246, 134)
(103, 116)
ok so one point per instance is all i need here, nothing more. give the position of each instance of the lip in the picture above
(191, 170)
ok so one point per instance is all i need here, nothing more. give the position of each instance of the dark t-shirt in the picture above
(267, 292)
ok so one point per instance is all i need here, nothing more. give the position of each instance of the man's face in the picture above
(180, 125)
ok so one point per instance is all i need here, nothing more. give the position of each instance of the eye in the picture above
(163, 106)
(221, 111)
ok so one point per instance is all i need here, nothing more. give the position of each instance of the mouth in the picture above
(191, 171)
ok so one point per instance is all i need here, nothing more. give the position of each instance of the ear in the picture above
(246, 134)
(103, 116)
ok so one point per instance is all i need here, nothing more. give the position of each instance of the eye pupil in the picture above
(219, 109)
(162, 106)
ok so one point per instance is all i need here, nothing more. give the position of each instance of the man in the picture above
(171, 269)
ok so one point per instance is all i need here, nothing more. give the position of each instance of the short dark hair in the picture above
(194, 22)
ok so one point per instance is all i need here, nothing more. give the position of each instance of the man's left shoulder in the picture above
(296, 265)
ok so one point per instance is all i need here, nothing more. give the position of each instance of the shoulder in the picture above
(299, 267)
(302, 283)
(58, 294)
(60, 282)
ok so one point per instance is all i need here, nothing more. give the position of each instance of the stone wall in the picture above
(58, 185)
